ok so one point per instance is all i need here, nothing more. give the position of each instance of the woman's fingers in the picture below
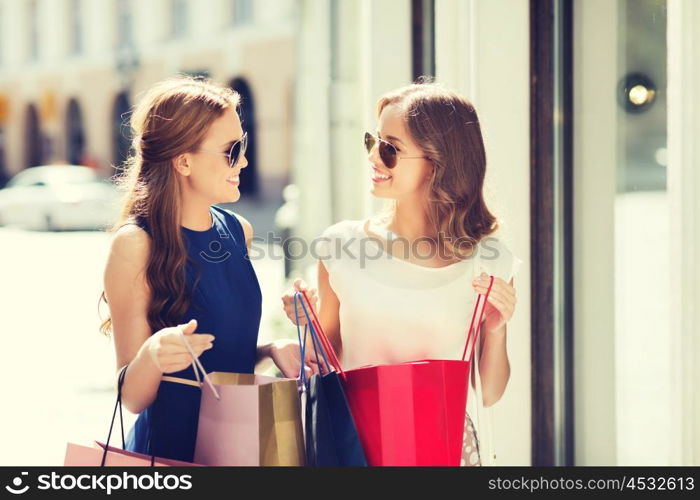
(198, 351)
(498, 294)
(189, 327)
(292, 371)
(200, 340)
(292, 315)
(497, 303)
(504, 291)
(310, 304)
(288, 302)
(311, 363)
(311, 294)
(173, 354)
(498, 284)
(182, 359)
(302, 319)
(503, 308)
(497, 297)
(175, 349)
(299, 285)
(195, 341)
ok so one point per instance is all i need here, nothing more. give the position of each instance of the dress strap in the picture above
(223, 234)
(225, 231)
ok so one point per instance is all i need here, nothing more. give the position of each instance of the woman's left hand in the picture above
(501, 302)
(286, 355)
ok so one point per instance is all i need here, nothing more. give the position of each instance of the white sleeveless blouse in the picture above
(392, 310)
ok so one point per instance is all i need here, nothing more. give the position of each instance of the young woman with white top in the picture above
(401, 285)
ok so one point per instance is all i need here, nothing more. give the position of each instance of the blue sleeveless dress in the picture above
(226, 303)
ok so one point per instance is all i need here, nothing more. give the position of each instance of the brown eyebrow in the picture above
(391, 137)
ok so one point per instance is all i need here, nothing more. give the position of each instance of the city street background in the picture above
(58, 370)
(590, 121)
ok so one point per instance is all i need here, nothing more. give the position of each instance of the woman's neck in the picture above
(195, 213)
(410, 221)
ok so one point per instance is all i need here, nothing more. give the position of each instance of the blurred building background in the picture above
(71, 70)
(590, 117)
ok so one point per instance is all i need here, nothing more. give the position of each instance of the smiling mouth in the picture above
(378, 176)
(235, 180)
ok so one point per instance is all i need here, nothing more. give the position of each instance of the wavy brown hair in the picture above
(171, 119)
(446, 127)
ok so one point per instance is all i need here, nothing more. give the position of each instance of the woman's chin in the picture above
(233, 198)
(378, 192)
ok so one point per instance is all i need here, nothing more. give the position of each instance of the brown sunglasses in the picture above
(234, 154)
(387, 151)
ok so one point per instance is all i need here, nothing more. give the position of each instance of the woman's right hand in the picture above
(167, 350)
(288, 301)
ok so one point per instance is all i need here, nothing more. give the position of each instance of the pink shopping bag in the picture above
(256, 421)
(87, 456)
(247, 419)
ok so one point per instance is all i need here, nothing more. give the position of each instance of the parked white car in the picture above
(57, 197)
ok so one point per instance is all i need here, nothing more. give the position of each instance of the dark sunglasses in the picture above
(237, 150)
(387, 151)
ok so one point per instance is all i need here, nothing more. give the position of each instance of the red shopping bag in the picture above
(411, 413)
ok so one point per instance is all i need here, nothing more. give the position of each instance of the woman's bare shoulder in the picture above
(130, 246)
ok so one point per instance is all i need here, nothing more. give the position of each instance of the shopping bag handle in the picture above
(315, 323)
(197, 365)
(118, 406)
(318, 347)
(315, 326)
(302, 343)
(474, 332)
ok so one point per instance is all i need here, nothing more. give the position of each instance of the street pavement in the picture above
(57, 370)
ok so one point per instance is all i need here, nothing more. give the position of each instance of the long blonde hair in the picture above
(171, 119)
